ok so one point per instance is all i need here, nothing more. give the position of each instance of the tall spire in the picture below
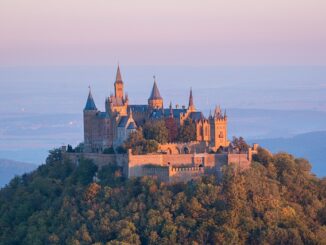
(191, 105)
(171, 110)
(155, 94)
(118, 76)
(90, 104)
(118, 85)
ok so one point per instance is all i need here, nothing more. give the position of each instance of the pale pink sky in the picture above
(186, 32)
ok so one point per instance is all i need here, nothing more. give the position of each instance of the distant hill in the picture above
(9, 168)
(309, 145)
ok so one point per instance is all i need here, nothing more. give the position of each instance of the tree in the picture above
(240, 144)
(187, 132)
(139, 145)
(263, 156)
(156, 130)
(85, 171)
(172, 128)
(109, 150)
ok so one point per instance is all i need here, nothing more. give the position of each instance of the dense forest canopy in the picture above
(277, 201)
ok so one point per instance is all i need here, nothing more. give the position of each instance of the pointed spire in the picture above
(191, 105)
(118, 76)
(191, 99)
(171, 110)
(90, 104)
(155, 95)
(217, 112)
(129, 111)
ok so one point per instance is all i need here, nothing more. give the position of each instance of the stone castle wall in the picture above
(242, 161)
(167, 167)
(184, 174)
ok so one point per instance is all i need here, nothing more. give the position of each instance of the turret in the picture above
(90, 111)
(90, 104)
(155, 101)
(118, 85)
(218, 128)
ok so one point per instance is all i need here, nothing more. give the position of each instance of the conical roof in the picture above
(90, 104)
(191, 99)
(118, 78)
(155, 95)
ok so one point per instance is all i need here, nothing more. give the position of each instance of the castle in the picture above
(111, 128)
(207, 153)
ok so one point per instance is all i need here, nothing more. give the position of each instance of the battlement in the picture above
(187, 169)
(168, 167)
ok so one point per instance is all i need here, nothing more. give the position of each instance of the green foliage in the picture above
(263, 156)
(139, 145)
(156, 130)
(85, 172)
(240, 144)
(109, 150)
(276, 201)
(187, 132)
(172, 128)
(121, 150)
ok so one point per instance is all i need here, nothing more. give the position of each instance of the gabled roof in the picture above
(138, 108)
(90, 104)
(123, 121)
(197, 115)
(132, 125)
(155, 95)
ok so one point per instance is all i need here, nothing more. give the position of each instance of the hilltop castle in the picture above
(112, 127)
(206, 153)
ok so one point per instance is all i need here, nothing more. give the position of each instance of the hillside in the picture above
(277, 201)
(309, 145)
(9, 168)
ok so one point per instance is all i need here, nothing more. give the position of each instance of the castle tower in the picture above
(218, 129)
(118, 85)
(90, 111)
(155, 100)
(191, 105)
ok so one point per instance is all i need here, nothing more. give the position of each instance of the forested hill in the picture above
(277, 201)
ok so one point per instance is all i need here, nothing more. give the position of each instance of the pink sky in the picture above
(185, 32)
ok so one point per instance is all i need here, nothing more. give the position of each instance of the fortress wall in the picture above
(136, 162)
(184, 174)
(99, 159)
(161, 173)
(178, 159)
(240, 160)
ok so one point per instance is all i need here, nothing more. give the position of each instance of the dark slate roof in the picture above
(132, 125)
(90, 104)
(138, 108)
(197, 115)
(160, 114)
(155, 95)
(102, 115)
(176, 112)
(123, 121)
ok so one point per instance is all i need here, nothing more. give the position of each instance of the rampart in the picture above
(167, 167)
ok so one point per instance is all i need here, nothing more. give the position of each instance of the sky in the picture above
(156, 32)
